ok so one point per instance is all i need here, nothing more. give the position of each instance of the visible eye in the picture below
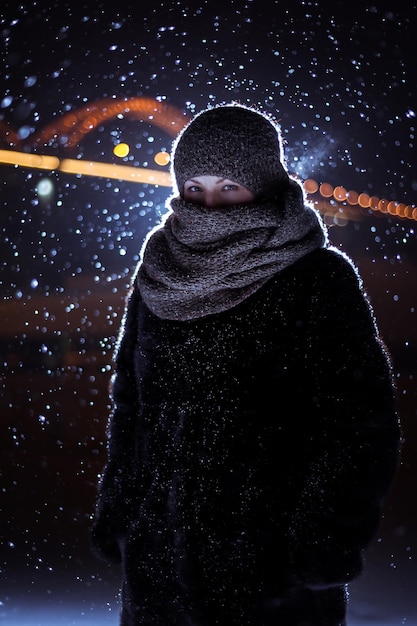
(193, 188)
(230, 187)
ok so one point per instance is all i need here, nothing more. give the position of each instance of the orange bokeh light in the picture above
(363, 200)
(310, 185)
(326, 190)
(339, 193)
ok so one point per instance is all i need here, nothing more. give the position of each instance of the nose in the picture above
(210, 198)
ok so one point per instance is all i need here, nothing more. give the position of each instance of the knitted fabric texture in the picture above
(231, 141)
(202, 261)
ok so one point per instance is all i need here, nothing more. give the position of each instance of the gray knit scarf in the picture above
(202, 261)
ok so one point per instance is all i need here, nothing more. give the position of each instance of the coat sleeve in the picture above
(117, 488)
(354, 433)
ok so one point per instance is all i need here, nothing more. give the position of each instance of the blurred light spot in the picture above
(44, 188)
(363, 200)
(326, 190)
(339, 193)
(30, 81)
(6, 102)
(24, 132)
(121, 150)
(161, 158)
(310, 185)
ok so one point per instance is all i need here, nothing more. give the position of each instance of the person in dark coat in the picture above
(254, 433)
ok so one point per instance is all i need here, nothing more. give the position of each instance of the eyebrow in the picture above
(219, 180)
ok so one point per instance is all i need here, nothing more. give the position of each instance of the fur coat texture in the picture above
(249, 454)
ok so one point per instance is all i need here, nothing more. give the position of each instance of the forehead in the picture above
(209, 180)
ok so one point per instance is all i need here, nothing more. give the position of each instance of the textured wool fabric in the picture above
(231, 141)
(208, 497)
(207, 260)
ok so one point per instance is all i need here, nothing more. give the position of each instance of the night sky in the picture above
(342, 81)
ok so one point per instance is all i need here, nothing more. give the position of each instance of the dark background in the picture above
(342, 82)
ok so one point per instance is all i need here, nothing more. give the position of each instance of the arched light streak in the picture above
(73, 126)
(336, 203)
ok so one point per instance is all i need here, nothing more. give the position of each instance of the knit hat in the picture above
(231, 141)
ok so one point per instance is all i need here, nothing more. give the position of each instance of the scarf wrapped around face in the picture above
(202, 260)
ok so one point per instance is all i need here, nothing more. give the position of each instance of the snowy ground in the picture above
(380, 598)
(98, 614)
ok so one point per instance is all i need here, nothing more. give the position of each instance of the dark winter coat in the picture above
(249, 454)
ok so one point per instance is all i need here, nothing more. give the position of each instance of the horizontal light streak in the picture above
(112, 170)
(25, 159)
(154, 177)
(86, 168)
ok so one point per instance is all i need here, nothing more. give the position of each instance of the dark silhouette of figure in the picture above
(254, 433)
